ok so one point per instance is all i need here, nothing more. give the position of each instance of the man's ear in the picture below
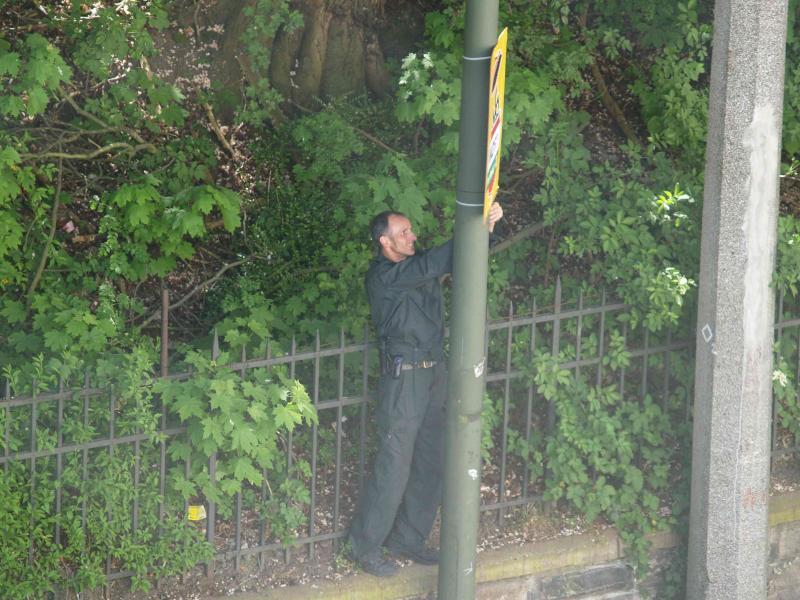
(384, 241)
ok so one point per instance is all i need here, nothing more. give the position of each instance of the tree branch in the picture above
(94, 154)
(374, 140)
(102, 123)
(212, 120)
(611, 105)
(522, 234)
(358, 130)
(88, 238)
(88, 132)
(605, 95)
(45, 253)
(197, 288)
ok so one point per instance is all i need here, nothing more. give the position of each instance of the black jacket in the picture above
(406, 302)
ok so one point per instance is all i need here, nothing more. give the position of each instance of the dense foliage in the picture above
(118, 178)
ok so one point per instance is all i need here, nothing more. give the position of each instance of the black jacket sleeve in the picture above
(419, 268)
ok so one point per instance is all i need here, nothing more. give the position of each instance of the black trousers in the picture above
(400, 499)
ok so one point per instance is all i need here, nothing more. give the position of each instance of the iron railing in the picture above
(340, 380)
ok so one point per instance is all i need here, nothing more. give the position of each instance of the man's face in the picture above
(398, 241)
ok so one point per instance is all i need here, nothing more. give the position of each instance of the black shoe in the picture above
(375, 564)
(421, 554)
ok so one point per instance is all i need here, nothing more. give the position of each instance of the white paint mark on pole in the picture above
(707, 333)
(468, 570)
(479, 367)
(763, 141)
(473, 473)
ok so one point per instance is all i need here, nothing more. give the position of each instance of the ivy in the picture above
(67, 549)
(602, 445)
(78, 91)
(243, 423)
(137, 218)
(30, 76)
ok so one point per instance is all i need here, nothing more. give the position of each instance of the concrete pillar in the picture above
(728, 541)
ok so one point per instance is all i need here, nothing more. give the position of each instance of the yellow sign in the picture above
(196, 512)
(497, 84)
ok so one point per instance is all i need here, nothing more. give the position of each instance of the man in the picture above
(399, 502)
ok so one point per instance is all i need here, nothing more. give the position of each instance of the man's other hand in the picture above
(495, 214)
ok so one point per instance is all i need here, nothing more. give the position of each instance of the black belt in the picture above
(422, 364)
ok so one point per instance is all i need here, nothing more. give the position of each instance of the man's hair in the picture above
(379, 225)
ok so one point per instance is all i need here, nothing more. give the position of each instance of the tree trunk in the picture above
(337, 51)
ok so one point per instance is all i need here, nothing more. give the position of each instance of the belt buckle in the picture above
(420, 364)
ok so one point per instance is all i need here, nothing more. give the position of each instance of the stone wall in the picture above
(614, 579)
(784, 561)
(578, 567)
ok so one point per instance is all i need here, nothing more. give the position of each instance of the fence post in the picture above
(164, 330)
(164, 374)
(506, 402)
(551, 407)
(7, 425)
(529, 412)
(312, 508)
(212, 475)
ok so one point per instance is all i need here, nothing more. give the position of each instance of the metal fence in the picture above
(340, 379)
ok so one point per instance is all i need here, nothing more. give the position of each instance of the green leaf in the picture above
(56, 340)
(165, 94)
(212, 430)
(9, 64)
(192, 224)
(13, 311)
(173, 115)
(37, 100)
(256, 413)
(24, 342)
(230, 486)
(10, 231)
(9, 156)
(139, 214)
(183, 486)
(255, 392)
(222, 395)
(179, 450)
(11, 106)
(634, 477)
(189, 405)
(259, 328)
(204, 202)
(243, 468)
(228, 203)
(243, 438)
(286, 417)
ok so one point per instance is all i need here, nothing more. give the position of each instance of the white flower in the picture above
(780, 377)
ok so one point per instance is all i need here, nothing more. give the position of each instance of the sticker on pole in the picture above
(497, 84)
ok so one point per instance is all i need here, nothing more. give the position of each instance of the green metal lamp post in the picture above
(461, 504)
